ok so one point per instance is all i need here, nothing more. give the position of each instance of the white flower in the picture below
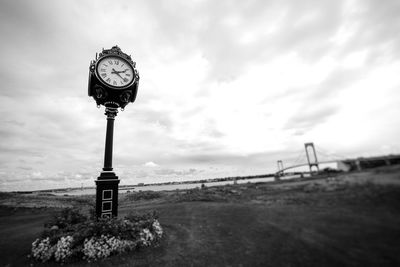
(42, 250)
(146, 237)
(63, 248)
(157, 228)
(102, 247)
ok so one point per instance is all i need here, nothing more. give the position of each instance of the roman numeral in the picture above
(103, 75)
(114, 82)
(127, 74)
(103, 70)
(116, 62)
(108, 80)
(110, 62)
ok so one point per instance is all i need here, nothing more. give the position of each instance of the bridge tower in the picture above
(280, 170)
(280, 166)
(314, 154)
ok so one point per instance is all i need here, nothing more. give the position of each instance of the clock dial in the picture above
(115, 71)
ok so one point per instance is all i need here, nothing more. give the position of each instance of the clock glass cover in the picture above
(115, 71)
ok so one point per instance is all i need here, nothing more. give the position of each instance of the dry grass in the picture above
(347, 220)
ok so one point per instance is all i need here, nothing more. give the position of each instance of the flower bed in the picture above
(72, 236)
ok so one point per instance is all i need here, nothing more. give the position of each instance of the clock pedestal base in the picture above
(107, 195)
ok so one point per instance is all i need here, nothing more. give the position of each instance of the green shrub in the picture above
(68, 216)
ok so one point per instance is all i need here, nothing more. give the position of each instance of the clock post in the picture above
(107, 182)
(113, 82)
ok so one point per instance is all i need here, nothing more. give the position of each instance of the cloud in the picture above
(310, 117)
(373, 26)
(150, 164)
(172, 172)
(337, 81)
(225, 88)
(321, 101)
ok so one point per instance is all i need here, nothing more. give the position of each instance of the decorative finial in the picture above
(115, 47)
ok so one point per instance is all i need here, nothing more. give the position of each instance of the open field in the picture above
(347, 220)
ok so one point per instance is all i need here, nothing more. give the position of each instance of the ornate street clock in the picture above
(113, 78)
(113, 82)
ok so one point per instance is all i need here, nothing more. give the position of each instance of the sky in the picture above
(227, 88)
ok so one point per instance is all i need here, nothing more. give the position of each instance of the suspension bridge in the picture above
(309, 157)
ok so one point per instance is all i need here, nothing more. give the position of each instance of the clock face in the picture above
(115, 71)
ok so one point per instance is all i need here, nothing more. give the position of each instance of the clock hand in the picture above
(122, 71)
(117, 72)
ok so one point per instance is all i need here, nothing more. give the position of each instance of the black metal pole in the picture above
(108, 152)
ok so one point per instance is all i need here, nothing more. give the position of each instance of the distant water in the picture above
(168, 187)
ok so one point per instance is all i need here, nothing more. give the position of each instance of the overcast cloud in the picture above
(227, 87)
